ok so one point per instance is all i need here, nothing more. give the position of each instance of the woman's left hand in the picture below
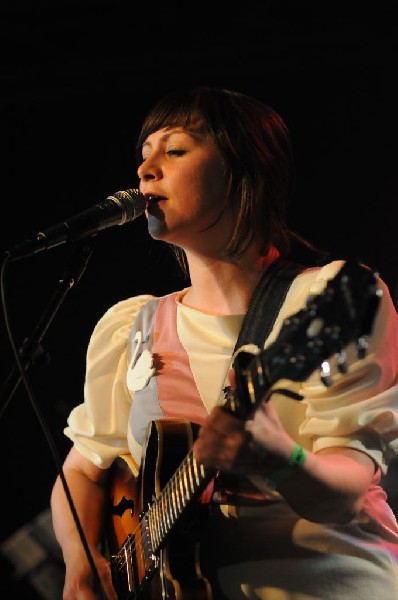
(255, 446)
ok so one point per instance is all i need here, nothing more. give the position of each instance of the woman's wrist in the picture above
(268, 483)
(295, 462)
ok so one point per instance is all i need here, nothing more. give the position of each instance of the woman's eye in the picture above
(176, 152)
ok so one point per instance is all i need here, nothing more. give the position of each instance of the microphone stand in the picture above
(29, 353)
(31, 349)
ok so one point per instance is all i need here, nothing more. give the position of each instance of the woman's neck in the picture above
(225, 288)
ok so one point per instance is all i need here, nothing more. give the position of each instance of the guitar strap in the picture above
(266, 302)
(264, 306)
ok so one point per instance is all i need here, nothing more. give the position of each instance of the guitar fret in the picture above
(177, 498)
(154, 533)
(200, 474)
(161, 515)
(173, 504)
(167, 510)
(195, 468)
(150, 520)
(175, 493)
(182, 495)
(146, 538)
(192, 485)
(190, 478)
(182, 487)
(186, 485)
(145, 543)
(157, 523)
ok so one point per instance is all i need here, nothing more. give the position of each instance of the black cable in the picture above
(47, 434)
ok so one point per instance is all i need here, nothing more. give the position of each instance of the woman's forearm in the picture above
(330, 487)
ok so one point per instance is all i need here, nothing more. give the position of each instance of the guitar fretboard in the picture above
(187, 482)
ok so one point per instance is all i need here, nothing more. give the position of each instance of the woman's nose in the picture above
(148, 170)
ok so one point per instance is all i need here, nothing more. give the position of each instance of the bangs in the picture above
(176, 110)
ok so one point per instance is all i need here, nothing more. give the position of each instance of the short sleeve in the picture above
(360, 409)
(98, 426)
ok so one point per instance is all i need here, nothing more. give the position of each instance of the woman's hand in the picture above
(80, 582)
(259, 445)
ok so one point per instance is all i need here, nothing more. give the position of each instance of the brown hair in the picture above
(256, 147)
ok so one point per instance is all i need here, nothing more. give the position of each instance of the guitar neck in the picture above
(188, 481)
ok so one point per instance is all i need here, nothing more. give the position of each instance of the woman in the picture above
(299, 513)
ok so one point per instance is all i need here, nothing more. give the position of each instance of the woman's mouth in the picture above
(152, 200)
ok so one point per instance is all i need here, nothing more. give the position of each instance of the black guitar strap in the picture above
(264, 306)
(266, 302)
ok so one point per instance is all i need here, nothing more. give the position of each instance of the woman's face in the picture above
(182, 176)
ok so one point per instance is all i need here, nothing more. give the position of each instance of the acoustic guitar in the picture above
(155, 520)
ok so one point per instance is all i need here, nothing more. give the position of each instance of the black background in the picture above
(77, 78)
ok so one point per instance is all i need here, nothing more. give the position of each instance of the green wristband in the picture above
(295, 461)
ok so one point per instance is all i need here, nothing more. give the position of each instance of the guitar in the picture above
(154, 517)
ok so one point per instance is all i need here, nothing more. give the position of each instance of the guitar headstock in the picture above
(342, 313)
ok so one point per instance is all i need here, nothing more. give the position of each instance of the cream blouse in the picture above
(359, 410)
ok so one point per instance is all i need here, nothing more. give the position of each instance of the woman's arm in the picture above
(330, 485)
(87, 484)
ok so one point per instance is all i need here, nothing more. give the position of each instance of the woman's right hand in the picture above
(80, 582)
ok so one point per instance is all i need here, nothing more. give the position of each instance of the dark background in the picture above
(77, 78)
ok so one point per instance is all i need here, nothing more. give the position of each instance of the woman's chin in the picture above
(157, 225)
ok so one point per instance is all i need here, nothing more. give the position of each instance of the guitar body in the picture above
(174, 573)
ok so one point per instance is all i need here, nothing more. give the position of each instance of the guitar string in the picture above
(169, 492)
(180, 487)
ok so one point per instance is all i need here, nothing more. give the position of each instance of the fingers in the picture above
(219, 440)
(230, 444)
(224, 422)
(79, 581)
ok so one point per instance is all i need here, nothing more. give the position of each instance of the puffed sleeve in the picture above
(98, 426)
(360, 409)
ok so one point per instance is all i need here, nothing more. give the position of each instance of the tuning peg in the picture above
(325, 374)
(341, 357)
(362, 347)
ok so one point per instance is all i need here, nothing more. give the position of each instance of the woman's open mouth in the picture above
(152, 200)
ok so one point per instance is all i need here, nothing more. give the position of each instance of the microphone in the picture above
(123, 207)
